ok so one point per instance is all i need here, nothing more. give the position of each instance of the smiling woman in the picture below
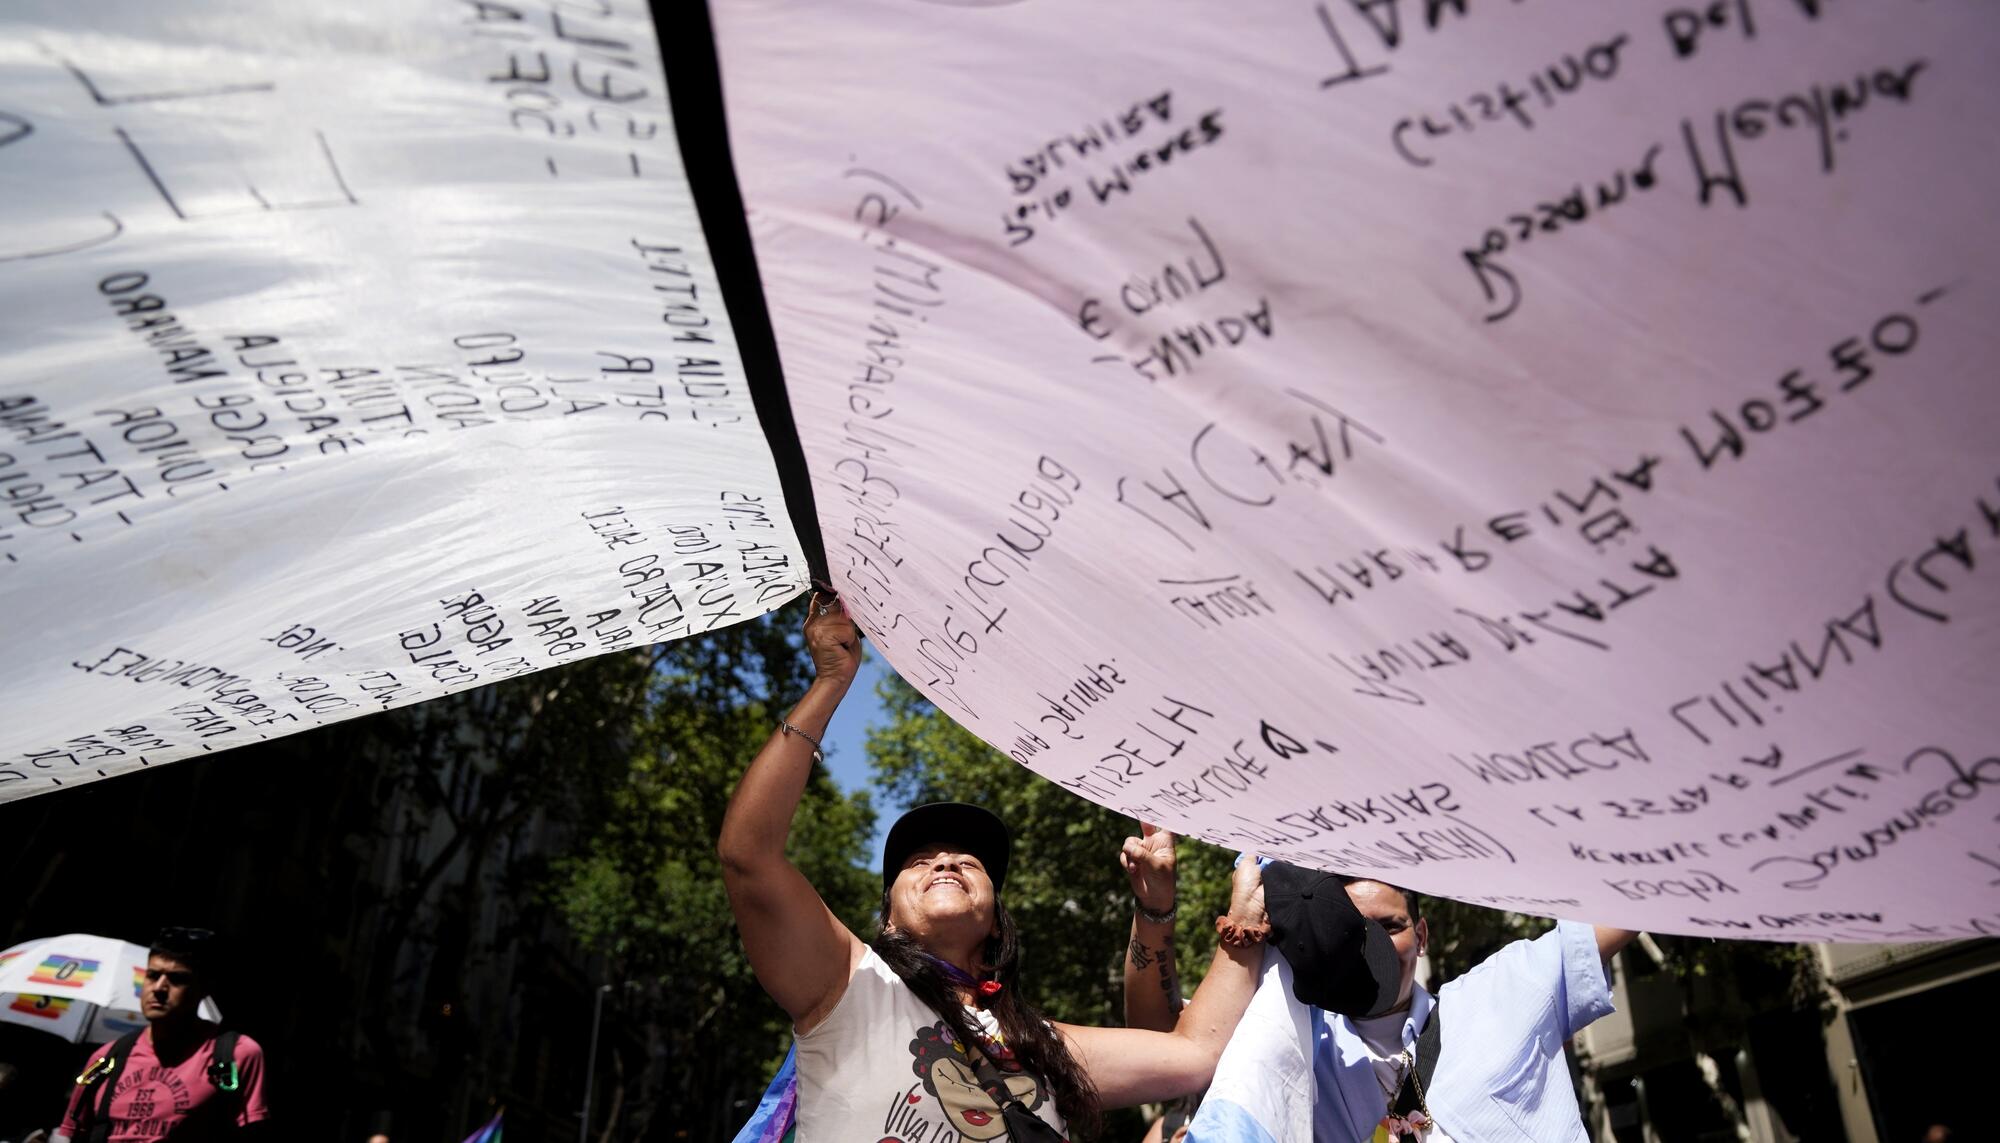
(925, 1029)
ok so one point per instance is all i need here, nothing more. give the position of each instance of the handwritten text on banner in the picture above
(354, 354)
(1541, 453)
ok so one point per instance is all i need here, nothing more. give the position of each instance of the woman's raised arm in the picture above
(1129, 1065)
(802, 954)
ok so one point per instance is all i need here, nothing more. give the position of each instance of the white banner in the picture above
(1541, 453)
(353, 354)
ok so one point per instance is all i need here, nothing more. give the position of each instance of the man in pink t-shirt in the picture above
(181, 1076)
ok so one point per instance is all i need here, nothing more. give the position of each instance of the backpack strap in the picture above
(94, 1106)
(222, 1070)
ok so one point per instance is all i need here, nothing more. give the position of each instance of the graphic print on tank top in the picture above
(948, 1082)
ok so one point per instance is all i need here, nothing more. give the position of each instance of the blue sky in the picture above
(846, 740)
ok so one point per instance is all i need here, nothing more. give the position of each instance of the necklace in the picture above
(1411, 1123)
(1397, 1064)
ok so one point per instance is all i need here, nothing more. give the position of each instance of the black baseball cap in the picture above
(973, 829)
(1341, 961)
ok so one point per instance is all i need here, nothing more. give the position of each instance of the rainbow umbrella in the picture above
(489, 1133)
(77, 986)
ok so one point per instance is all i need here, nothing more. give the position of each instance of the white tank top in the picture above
(882, 1068)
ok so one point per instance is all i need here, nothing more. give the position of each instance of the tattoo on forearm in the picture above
(1141, 955)
(1170, 985)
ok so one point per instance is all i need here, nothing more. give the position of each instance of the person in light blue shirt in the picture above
(1295, 1072)
(1500, 1067)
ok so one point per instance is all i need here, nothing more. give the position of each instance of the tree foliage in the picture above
(1462, 935)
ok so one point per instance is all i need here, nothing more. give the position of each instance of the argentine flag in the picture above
(1263, 1086)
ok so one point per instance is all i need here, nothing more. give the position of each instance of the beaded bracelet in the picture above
(1166, 918)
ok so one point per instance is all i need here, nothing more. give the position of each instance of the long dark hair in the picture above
(1037, 1047)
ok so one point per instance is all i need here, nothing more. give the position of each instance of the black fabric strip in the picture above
(694, 87)
(1429, 1042)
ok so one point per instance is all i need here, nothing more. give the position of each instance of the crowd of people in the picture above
(924, 1033)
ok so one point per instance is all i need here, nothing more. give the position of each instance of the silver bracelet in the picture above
(1166, 918)
(819, 755)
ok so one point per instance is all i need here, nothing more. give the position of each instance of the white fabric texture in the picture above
(1487, 446)
(342, 371)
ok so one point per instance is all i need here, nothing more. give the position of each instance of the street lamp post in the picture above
(590, 1068)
